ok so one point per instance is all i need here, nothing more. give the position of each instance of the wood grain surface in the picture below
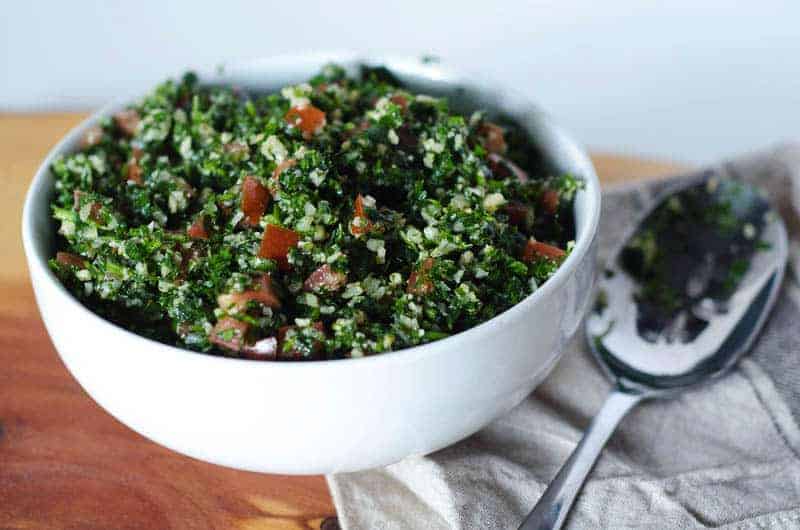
(65, 463)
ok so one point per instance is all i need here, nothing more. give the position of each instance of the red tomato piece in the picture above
(519, 214)
(70, 259)
(276, 243)
(262, 291)
(493, 137)
(549, 201)
(229, 333)
(418, 281)
(325, 277)
(400, 100)
(536, 249)
(363, 225)
(308, 118)
(197, 230)
(255, 199)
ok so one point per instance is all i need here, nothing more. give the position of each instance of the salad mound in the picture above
(342, 217)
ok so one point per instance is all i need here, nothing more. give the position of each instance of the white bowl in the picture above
(324, 416)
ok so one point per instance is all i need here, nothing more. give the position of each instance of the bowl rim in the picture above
(38, 263)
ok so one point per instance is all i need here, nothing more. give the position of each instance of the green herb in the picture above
(339, 217)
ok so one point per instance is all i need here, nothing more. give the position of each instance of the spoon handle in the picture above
(551, 510)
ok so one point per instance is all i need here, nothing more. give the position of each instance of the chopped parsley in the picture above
(337, 218)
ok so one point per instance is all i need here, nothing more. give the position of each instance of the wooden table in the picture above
(65, 463)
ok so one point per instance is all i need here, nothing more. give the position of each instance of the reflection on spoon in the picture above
(688, 274)
(679, 304)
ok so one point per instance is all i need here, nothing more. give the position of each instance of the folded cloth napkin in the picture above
(725, 455)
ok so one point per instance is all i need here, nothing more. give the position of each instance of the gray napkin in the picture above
(725, 455)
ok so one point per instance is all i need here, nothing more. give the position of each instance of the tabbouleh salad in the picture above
(342, 217)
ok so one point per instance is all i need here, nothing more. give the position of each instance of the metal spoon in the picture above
(678, 305)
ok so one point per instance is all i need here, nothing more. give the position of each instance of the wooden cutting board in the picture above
(67, 464)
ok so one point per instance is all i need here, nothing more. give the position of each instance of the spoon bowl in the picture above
(680, 302)
(685, 296)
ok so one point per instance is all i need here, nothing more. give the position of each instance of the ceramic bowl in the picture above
(325, 416)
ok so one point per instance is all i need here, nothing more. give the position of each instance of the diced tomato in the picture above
(549, 201)
(502, 168)
(134, 172)
(262, 350)
(197, 230)
(308, 118)
(92, 137)
(276, 243)
(493, 137)
(94, 213)
(400, 100)
(536, 250)
(255, 199)
(418, 281)
(128, 121)
(363, 224)
(325, 277)
(70, 259)
(294, 354)
(262, 291)
(229, 333)
(358, 206)
(518, 214)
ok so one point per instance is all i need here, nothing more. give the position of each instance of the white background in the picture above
(685, 80)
